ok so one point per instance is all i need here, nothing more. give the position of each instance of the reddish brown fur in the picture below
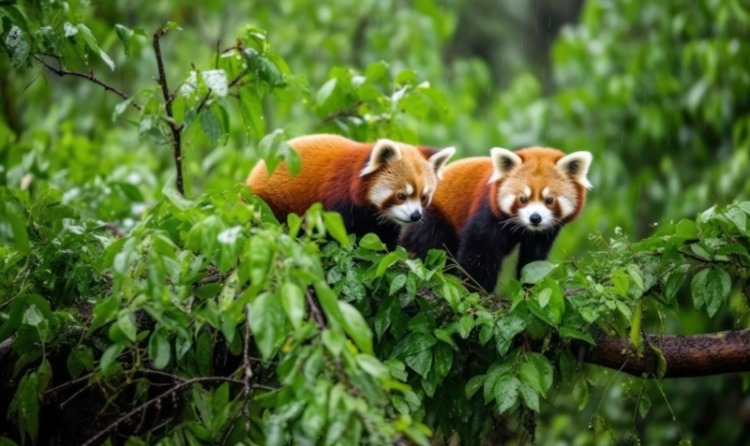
(330, 174)
(464, 185)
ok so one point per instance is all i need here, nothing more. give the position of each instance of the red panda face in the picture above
(401, 181)
(540, 188)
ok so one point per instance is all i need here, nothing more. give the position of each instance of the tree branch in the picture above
(315, 312)
(88, 76)
(686, 356)
(148, 403)
(175, 128)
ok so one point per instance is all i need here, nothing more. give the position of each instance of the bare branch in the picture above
(315, 312)
(686, 356)
(88, 76)
(154, 400)
(173, 126)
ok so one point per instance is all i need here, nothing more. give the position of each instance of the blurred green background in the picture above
(659, 92)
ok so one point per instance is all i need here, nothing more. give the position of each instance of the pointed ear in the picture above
(384, 151)
(438, 160)
(576, 165)
(503, 161)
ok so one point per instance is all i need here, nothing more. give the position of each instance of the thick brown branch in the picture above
(686, 356)
(88, 76)
(175, 128)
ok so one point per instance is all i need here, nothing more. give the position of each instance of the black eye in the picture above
(425, 198)
(523, 200)
(401, 196)
(549, 200)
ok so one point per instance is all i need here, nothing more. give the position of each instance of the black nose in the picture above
(415, 216)
(535, 219)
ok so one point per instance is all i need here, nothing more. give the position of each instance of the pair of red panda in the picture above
(479, 209)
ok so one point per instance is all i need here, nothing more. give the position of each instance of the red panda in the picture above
(377, 187)
(486, 206)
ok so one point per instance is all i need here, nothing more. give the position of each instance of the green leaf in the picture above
(398, 282)
(475, 383)
(32, 316)
(686, 228)
(90, 40)
(621, 283)
(335, 227)
(293, 301)
(674, 281)
(530, 397)
(661, 362)
(739, 218)
(18, 226)
(530, 376)
(211, 126)
(644, 404)
(536, 271)
(569, 332)
(251, 110)
(636, 337)
(329, 303)
(506, 393)
(126, 323)
(546, 372)
(356, 327)
(372, 242)
(544, 296)
(373, 366)
(635, 275)
(108, 361)
(104, 312)
(386, 262)
(710, 287)
(80, 359)
(175, 198)
(325, 92)
(420, 362)
(125, 34)
(159, 349)
(506, 329)
(268, 322)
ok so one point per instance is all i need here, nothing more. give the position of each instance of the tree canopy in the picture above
(147, 297)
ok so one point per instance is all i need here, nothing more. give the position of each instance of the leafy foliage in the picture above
(172, 319)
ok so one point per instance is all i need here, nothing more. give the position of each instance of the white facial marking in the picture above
(379, 194)
(527, 191)
(401, 213)
(566, 206)
(409, 189)
(526, 212)
(507, 202)
(545, 192)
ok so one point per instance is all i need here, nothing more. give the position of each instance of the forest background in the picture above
(659, 92)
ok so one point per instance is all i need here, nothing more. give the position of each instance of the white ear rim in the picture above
(440, 159)
(584, 158)
(374, 164)
(500, 168)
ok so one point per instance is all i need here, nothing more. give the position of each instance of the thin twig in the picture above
(69, 383)
(88, 76)
(248, 376)
(154, 400)
(346, 113)
(315, 310)
(175, 128)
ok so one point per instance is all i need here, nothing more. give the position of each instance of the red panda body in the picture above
(486, 206)
(376, 187)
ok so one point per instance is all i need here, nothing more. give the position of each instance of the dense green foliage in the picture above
(138, 313)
